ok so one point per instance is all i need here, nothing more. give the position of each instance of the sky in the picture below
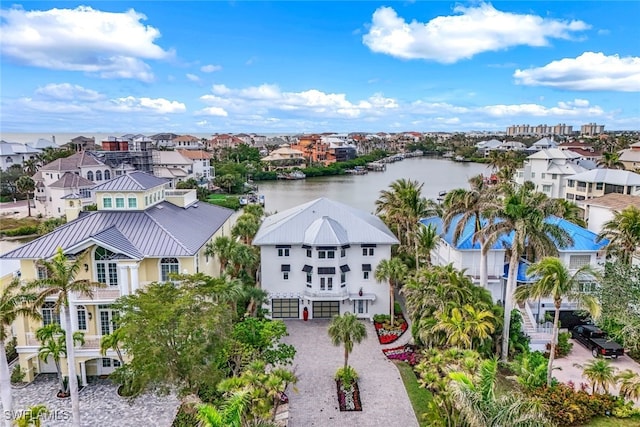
(304, 66)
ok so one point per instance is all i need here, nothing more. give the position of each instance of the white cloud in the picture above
(68, 92)
(472, 30)
(109, 44)
(212, 111)
(588, 72)
(193, 77)
(210, 68)
(156, 105)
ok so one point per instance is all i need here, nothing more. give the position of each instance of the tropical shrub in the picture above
(397, 308)
(564, 345)
(625, 410)
(10, 350)
(381, 318)
(187, 416)
(346, 375)
(25, 230)
(530, 369)
(518, 341)
(17, 375)
(567, 407)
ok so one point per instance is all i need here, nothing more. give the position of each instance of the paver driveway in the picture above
(384, 398)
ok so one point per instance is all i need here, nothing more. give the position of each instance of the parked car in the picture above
(595, 339)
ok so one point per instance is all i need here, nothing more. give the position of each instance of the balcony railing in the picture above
(91, 342)
(110, 293)
(340, 293)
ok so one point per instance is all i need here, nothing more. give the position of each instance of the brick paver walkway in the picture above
(100, 405)
(384, 398)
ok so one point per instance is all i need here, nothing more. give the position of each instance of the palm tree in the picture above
(555, 281)
(480, 324)
(523, 213)
(479, 405)
(347, 330)
(222, 247)
(392, 271)
(427, 239)
(629, 382)
(610, 160)
(112, 341)
(14, 303)
(600, 374)
(623, 233)
(30, 166)
(32, 416)
(25, 185)
(571, 212)
(246, 228)
(52, 337)
(229, 415)
(61, 283)
(470, 205)
(455, 329)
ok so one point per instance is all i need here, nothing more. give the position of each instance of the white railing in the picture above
(340, 293)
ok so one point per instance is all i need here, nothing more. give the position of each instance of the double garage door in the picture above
(325, 309)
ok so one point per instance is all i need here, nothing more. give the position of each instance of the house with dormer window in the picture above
(320, 257)
(142, 232)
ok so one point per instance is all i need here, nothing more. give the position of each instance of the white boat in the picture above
(292, 175)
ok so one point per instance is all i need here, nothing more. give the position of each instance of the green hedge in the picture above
(25, 230)
(230, 202)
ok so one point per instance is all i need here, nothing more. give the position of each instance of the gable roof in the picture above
(583, 239)
(195, 154)
(162, 230)
(170, 158)
(135, 181)
(554, 153)
(72, 180)
(608, 176)
(338, 223)
(73, 162)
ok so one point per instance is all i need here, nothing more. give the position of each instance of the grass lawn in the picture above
(420, 397)
(9, 223)
(614, 422)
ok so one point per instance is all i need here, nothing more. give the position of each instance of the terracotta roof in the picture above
(195, 154)
(186, 138)
(615, 201)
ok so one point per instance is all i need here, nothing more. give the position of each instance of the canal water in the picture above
(361, 191)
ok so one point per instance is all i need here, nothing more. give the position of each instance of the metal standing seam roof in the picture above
(608, 176)
(290, 226)
(325, 232)
(583, 240)
(161, 230)
(135, 181)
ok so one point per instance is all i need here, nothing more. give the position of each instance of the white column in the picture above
(73, 311)
(134, 277)
(123, 279)
(83, 374)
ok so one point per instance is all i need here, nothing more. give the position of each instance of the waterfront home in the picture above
(284, 157)
(320, 257)
(141, 233)
(549, 170)
(172, 165)
(201, 165)
(598, 182)
(187, 142)
(543, 144)
(14, 153)
(464, 254)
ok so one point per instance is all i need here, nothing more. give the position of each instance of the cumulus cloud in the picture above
(210, 68)
(193, 78)
(471, 31)
(588, 72)
(68, 92)
(109, 44)
(156, 105)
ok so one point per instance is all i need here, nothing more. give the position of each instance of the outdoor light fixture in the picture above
(86, 267)
(90, 315)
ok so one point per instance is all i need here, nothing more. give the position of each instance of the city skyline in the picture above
(289, 67)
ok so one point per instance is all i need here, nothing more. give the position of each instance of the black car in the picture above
(595, 339)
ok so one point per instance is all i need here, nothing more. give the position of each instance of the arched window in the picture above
(107, 175)
(168, 266)
(50, 314)
(98, 176)
(90, 176)
(82, 318)
(106, 268)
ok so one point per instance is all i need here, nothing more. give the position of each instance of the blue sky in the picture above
(285, 66)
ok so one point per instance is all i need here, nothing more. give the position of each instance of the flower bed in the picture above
(349, 397)
(386, 334)
(405, 353)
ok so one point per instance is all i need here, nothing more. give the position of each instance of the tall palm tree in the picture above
(221, 247)
(610, 160)
(427, 239)
(479, 405)
(571, 212)
(629, 382)
(346, 330)
(470, 205)
(522, 213)
(623, 233)
(61, 283)
(30, 166)
(600, 373)
(554, 280)
(392, 271)
(53, 340)
(25, 185)
(14, 303)
(112, 341)
(246, 228)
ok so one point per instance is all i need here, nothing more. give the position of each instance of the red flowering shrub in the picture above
(567, 407)
(387, 334)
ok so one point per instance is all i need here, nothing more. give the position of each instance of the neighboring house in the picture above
(465, 255)
(141, 233)
(512, 146)
(201, 165)
(246, 139)
(172, 165)
(485, 147)
(598, 182)
(314, 150)
(601, 209)
(284, 157)
(15, 153)
(187, 142)
(42, 143)
(630, 157)
(322, 256)
(55, 180)
(163, 140)
(549, 169)
(543, 144)
(82, 143)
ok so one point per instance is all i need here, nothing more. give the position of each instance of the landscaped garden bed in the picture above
(388, 334)
(349, 396)
(405, 353)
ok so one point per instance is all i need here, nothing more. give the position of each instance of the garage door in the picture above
(285, 308)
(325, 309)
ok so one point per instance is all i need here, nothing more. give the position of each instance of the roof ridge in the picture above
(146, 212)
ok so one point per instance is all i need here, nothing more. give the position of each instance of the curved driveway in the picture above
(382, 393)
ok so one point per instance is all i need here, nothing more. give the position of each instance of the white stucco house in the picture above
(600, 210)
(320, 257)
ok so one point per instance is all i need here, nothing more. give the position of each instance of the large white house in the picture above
(320, 257)
(549, 169)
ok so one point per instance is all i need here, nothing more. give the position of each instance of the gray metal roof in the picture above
(162, 230)
(608, 176)
(338, 222)
(71, 180)
(135, 181)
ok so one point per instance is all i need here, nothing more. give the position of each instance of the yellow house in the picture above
(141, 233)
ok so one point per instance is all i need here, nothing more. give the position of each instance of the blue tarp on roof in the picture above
(522, 272)
(583, 239)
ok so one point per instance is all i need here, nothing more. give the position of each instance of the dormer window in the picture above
(119, 202)
(107, 202)
(132, 202)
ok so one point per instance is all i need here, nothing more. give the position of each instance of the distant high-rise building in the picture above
(591, 129)
(540, 130)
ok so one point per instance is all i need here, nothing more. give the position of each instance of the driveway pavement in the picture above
(384, 398)
(581, 355)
